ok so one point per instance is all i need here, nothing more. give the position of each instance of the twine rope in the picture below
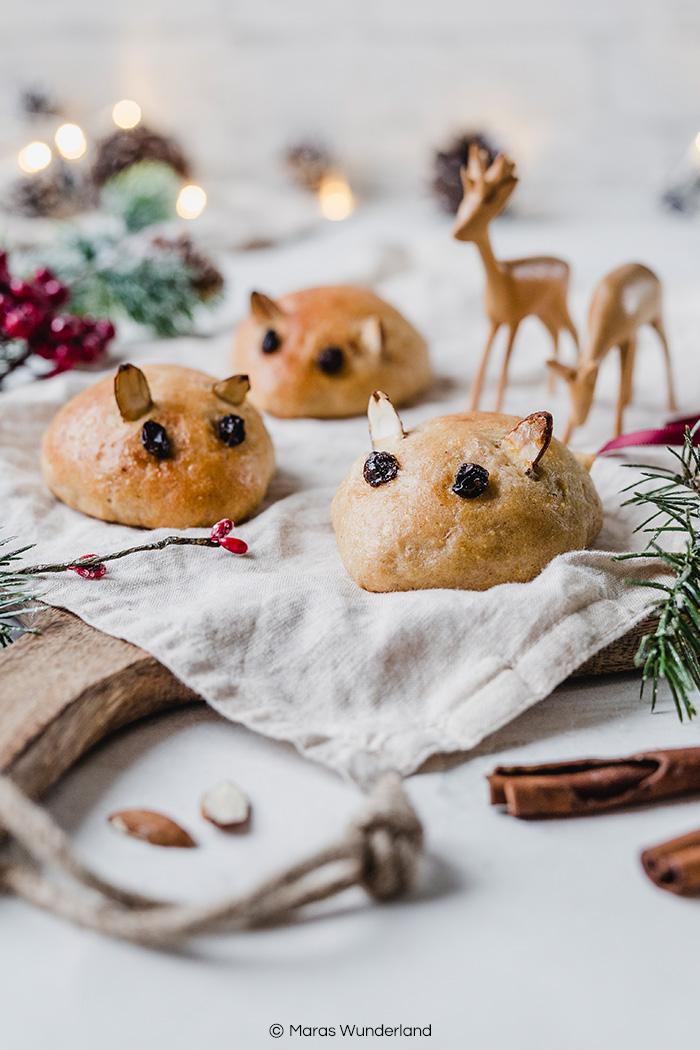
(379, 851)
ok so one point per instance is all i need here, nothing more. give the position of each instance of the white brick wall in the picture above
(586, 93)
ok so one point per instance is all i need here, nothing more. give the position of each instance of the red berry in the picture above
(4, 269)
(56, 293)
(106, 330)
(22, 321)
(66, 326)
(91, 346)
(65, 355)
(44, 274)
(21, 289)
(234, 546)
(93, 572)
(43, 349)
(221, 529)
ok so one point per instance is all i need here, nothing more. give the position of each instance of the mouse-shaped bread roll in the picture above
(465, 501)
(321, 352)
(163, 447)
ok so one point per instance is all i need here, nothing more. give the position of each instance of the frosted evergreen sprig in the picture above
(18, 591)
(672, 650)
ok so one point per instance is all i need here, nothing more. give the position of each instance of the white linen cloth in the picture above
(282, 640)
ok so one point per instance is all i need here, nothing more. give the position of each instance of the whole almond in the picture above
(225, 805)
(152, 827)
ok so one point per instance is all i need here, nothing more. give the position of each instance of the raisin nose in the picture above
(331, 360)
(271, 341)
(470, 481)
(379, 468)
(155, 440)
(231, 430)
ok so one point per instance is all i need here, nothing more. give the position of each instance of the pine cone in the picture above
(206, 280)
(125, 147)
(55, 192)
(447, 184)
(35, 102)
(308, 163)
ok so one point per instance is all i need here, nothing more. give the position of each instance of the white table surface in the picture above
(537, 935)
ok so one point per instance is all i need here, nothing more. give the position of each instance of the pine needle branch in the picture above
(17, 592)
(672, 650)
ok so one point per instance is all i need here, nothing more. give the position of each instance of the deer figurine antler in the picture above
(622, 302)
(516, 289)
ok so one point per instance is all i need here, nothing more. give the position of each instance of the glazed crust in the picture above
(95, 461)
(289, 382)
(414, 532)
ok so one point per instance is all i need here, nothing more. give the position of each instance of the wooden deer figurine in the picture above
(623, 301)
(515, 289)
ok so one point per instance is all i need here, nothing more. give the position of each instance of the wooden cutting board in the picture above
(63, 690)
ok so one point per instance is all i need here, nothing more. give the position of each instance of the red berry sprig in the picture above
(94, 568)
(220, 534)
(29, 312)
(94, 572)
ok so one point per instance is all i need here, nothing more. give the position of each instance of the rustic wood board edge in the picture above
(65, 689)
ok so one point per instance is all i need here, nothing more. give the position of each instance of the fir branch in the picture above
(672, 650)
(112, 274)
(16, 592)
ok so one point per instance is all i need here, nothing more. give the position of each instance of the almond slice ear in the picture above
(372, 336)
(586, 459)
(263, 308)
(529, 440)
(232, 390)
(385, 428)
(131, 392)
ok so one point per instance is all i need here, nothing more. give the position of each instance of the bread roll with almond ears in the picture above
(163, 447)
(464, 501)
(321, 352)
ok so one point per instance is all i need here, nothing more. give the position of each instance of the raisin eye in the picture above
(331, 360)
(379, 468)
(471, 480)
(271, 341)
(155, 439)
(231, 430)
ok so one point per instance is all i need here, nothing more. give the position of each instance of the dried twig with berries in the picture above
(18, 587)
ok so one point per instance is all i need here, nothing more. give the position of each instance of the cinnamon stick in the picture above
(595, 785)
(675, 865)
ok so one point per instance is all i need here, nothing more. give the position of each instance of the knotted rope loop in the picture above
(380, 852)
(390, 838)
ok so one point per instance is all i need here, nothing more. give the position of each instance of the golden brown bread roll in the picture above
(166, 447)
(464, 501)
(321, 352)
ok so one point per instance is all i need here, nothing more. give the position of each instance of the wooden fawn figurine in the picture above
(516, 289)
(623, 301)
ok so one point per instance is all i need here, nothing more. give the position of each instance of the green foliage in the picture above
(122, 266)
(142, 195)
(16, 592)
(109, 276)
(672, 650)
